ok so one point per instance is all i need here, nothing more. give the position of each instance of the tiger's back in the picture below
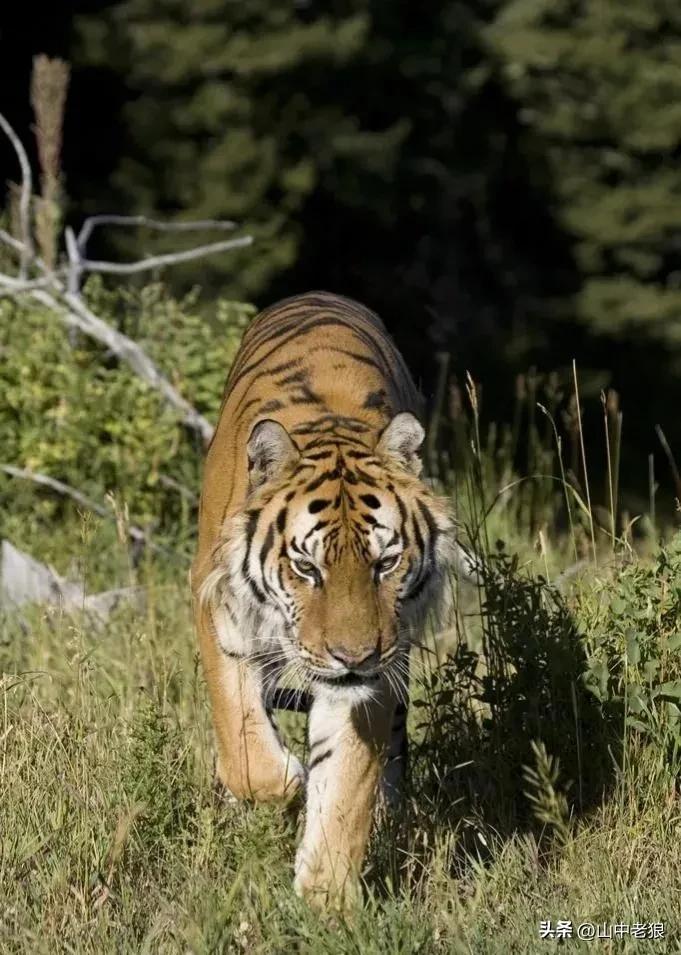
(318, 364)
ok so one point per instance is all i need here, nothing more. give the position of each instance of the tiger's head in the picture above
(340, 550)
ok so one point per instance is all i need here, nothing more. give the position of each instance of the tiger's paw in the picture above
(325, 886)
(269, 780)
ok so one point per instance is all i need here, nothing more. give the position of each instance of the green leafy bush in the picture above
(632, 633)
(72, 411)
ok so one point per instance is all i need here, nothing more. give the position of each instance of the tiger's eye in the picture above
(304, 568)
(386, 564)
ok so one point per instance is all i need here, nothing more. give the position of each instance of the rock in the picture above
(25, 580)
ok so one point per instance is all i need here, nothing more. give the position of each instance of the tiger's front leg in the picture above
(252, 762)
(348, 749)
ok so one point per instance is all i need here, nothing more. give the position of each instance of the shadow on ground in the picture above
(475, 723)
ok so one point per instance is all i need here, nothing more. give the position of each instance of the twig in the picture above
(174, 485)
(58, 486)
(670, 457)
(136, 533)
(10, 287)
(586, 475)
(75, 262)
(171, 258)
(92, 222)
(25, 199)
(13, 243)
(606, 423)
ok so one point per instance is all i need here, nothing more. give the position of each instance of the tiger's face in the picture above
(339, 552)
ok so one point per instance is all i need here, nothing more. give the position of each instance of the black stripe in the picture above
(269, 406)
(298, 377)
(364, 359)
(250, 533)
(332, 475)
(370, 500)
(403, 517)
(319, 455)
(248, 404)
(432, 529)
(367, 478)
(317, 743)
(317, 527)
(418, 589)
(319, 759)
(314, 507)
(267, 545)
(350, 477)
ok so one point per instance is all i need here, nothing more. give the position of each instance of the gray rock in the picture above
(25, 580)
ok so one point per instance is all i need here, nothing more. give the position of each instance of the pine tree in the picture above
(599, 88)
(368, 145)
(236, 111)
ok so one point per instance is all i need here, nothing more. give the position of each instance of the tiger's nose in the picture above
(353, 659)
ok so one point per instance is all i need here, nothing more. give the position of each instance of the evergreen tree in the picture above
(236, 111)
(369, 147)
(599, 85)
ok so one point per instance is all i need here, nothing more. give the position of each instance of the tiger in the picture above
(320, 552)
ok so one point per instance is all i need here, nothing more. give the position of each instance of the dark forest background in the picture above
(499, 179)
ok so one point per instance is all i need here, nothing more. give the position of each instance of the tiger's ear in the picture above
(401, 439)
(270, 452)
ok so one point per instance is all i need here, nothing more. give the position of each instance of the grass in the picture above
(545, 728)
(112, 838)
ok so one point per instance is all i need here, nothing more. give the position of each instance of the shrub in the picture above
(632, 634)
(73, 412)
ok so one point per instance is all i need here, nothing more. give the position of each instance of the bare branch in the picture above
(10, 287)
(171, 258)
(13, 243)
(181, 489)
(65, 301)
(58, 486)
(25, 200)
(136, 533)
(75, 262)
(92, 222)
(71, 309)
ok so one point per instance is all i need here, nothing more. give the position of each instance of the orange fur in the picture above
(319, 552)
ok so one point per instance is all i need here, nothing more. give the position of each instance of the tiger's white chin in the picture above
(352, 695)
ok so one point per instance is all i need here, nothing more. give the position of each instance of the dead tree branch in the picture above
(171, 258)
(73, 311)
(92, 222)
(25, 199)
(134, 532)
(59, 289)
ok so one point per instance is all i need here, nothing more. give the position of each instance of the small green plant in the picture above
(631, 623)
(549, 804)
